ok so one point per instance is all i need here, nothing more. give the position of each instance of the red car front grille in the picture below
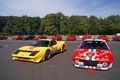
(89, 63)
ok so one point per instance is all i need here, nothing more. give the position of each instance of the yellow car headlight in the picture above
(34, 53)
(17, 51)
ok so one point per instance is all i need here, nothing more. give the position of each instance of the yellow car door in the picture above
(53, 46)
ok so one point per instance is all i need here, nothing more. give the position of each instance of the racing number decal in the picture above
(31, 48)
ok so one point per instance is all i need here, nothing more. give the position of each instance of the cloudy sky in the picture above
(99, 8)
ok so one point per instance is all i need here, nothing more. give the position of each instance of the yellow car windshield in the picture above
(40, 43)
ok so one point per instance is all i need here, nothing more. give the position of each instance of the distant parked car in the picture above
(3, 37)
(103, 37)
(71, 38)
(29, 37)
(56, 37)
(116, 38)
(40, 37)
(17, 37)
(86, 37)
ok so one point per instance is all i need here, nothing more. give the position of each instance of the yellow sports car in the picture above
(39, 50)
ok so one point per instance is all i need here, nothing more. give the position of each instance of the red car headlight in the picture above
(104, 64)
(77, 62)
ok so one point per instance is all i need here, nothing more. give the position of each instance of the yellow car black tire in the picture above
(47, 55)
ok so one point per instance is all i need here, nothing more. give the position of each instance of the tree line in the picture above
(58, 23)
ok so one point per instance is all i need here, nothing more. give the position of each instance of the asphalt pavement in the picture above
(59, 67)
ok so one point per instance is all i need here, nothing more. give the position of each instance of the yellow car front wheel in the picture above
(63, 48)
(47, 55)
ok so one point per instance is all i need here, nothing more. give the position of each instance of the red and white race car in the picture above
(93, 54)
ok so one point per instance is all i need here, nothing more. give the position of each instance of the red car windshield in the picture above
(94, 45)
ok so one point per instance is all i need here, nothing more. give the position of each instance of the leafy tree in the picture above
(94, 24)
(59, 24)
(64, 25)
(3, 21)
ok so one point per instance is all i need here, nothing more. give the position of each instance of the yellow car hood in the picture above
(29, 51)
(32, 48)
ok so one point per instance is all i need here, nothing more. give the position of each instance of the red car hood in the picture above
(93, 54)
